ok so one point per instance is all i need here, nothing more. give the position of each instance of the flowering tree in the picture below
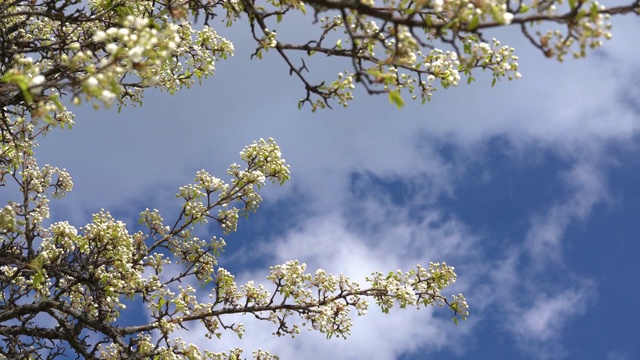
(63, 287)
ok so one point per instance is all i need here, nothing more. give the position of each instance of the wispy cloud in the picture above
(586, 186)
(538, 327)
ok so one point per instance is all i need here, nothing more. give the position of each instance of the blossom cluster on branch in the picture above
(78, 280)
(415, 47)
(81, 278)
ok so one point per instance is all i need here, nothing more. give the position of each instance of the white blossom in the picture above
(507, 17)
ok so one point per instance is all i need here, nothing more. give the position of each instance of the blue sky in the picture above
(529, 188)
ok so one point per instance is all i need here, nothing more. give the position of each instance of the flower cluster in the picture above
(263, 161)
(106, 255)
(389, 43)
(500, 59)
(417, 287)
(265, 156)
(8, 220)
(442, 65)
(36, 182)
(153, 56)
(403, 49)
(591, 27)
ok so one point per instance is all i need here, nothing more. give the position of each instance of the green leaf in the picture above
(594, 11)
(374, 72)
(56, 101)
(396, 99)
(572, 4)
(21, 82)
(279, 17)
(154, 25)
(48, 119)
(467, 48)
(38, 279)
(199, 74)
(124, 10)
(455, 320)
(497, 13)
(474, 24)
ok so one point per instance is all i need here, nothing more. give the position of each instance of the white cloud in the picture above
(538, 328)
(543, 320)
(587, 187)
